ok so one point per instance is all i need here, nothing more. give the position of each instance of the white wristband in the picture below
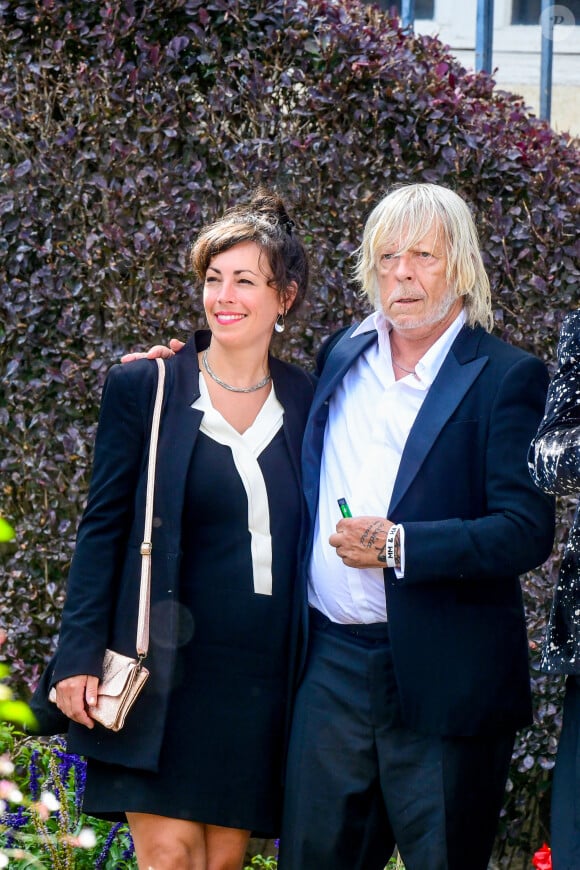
(390, 547)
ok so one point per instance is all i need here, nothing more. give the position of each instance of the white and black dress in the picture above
(222, 750)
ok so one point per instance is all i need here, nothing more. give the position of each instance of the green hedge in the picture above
(125, 125)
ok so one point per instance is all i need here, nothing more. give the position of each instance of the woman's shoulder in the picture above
(129, 389)
(132, 372)
(138, 375)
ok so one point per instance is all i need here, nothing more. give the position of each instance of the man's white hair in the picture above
(402, 218)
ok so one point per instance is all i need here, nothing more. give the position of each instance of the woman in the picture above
(555, 466)
(197, 766)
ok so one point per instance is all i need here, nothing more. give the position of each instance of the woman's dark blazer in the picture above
(103, 588)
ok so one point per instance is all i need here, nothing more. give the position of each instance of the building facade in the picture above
(516, 58)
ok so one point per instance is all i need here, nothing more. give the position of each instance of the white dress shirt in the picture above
(370, 417)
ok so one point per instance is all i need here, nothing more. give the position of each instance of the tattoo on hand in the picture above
(369, 536)
(369, 539)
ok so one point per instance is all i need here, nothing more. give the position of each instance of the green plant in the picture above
(11, 709)
(6, 531)
(270, 863)
(42, 824)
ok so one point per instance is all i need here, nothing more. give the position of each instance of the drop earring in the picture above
(280, 325)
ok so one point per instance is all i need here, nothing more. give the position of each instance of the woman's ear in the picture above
(289, 296)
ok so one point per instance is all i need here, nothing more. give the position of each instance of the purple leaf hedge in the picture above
(126, 124)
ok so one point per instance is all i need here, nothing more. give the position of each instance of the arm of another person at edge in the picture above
(516, 532)
(158, 350)
(554, 457)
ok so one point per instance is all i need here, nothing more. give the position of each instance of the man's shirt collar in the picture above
(430, 363)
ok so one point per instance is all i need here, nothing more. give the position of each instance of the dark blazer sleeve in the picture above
(493, 520)
(105, 527)
(554, 457)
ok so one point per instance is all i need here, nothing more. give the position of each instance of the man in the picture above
(416, 674)
(413, 675)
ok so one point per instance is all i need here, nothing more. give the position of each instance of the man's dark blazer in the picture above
(473, 521)
(103, 588)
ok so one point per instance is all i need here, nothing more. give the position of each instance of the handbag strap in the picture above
(147, 546)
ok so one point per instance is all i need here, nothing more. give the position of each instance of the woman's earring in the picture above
(280, 325)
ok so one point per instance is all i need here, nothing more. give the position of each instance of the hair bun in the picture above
(271, 207)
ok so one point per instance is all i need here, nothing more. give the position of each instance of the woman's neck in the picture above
(241, 367)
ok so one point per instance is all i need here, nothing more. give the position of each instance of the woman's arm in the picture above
(102, 537)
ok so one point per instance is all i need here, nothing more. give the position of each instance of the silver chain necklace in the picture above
(403, 369)
(223, 384)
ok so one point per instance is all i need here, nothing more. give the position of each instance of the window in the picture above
(423, 8)
(529, 11)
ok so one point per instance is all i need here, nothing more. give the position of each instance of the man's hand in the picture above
(361, 541)
(75, 696)
(158, 350)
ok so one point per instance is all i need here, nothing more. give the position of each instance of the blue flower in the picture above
(130, 850)
(13, 822)
(107, 847)
(34, 775)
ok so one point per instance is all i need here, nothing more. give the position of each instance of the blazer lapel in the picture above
(459, 370)
(179, 428)
(338, 362)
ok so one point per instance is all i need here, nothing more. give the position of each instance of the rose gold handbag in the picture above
(123, 677)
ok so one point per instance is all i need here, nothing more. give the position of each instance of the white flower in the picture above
(49, 800)
(9, 792)
(3, 860)
(87, 838)
(6, 766)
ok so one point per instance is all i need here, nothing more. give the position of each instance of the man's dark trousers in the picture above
(371, 782)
